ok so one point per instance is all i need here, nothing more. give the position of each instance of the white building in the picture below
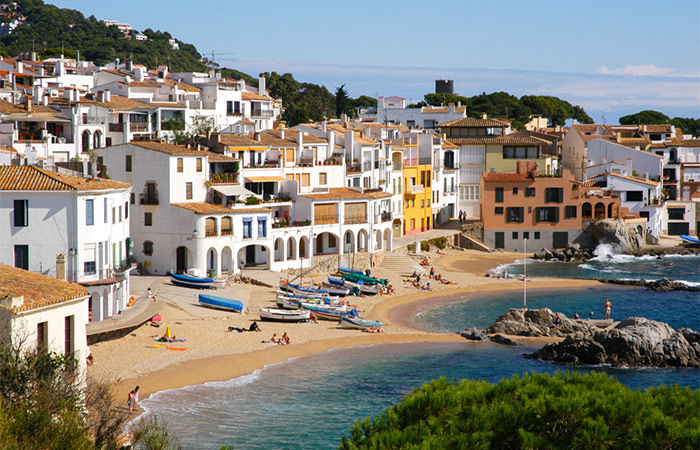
(44, 311)
(71, 228)
(394, 110)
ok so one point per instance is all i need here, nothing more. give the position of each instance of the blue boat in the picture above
(689, 239)
(190, 281)
(228, 304)
(346, 270)
(336, 281)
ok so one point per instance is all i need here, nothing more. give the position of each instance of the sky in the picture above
(611, 57)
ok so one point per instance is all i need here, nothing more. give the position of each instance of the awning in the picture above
(264, 179)
(232, 189)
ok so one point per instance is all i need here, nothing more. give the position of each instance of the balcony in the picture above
(92, 120)
(354, 168)
(226, 232)
(414, 189)
(138, 127)
(397, 167)
(261, 114)
(353, 219)
(425, 160)
(410, 162)
(116, 127)
(324, 219)
(145, 199)
(385, 216)
(210, 233)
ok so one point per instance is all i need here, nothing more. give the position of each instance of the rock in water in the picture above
(635, 341)
(473, 334)
(499, 339)
(614, 232)
(538, 323)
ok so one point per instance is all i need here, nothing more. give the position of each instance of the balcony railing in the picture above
(385, 216)
(227, 232)
(414, 188)
(410, 162)
(116, 127)
(396, 166)
(145, 199)
(261, 114)
(359, 218)
(425, 160)
(354, 168)
(92, 120)
(138, 126)
(210, 233)
(322, 219)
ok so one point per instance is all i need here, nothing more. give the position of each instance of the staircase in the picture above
(400, 263)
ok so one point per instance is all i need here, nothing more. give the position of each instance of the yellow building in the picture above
(417, 211)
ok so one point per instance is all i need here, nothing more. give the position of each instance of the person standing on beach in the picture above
(135, 401)
(607, 307)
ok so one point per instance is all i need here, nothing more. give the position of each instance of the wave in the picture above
(601, 269)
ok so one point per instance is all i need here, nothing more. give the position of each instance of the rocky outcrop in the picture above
(499, 339)
(616, 233)
(635, 341)
(662, 285)
(473, 334)
(538, 323)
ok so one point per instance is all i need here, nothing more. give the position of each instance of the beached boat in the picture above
(303, 291)
(365, 289)
(220, 283)
(190, 281)
(689, 239)
(336, 281)
(327, 314)
(348, 270)
(284, 315)
(334, 290)
(227, 304)
(359, 324)
(357, 277)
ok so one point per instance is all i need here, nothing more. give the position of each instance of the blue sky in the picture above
(611, 57)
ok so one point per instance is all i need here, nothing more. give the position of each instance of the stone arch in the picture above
(599, 211)
(362, 240)
(640, 230)
(254, 256)
(612, 213)
(226, 260)
(210, 227)
(349, 242)
(279, 249)
(304, 247)
(85, 143)
(586, 211)
(292, 248)
(326, 243)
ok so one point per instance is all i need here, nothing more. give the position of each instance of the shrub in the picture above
(425, 246)
(572, 411)
(439, 242)
(411, 247)
(253, 201)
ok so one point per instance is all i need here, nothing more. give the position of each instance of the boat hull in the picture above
(284, 315)
(226, 304)
(192, 282)
(359, 324)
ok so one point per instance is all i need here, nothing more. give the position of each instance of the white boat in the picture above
(284, 315)
(220, 283)
(359, 324)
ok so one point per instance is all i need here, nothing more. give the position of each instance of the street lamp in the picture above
(525, 275)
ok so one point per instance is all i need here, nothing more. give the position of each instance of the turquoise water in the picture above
(684, 268)
(311, 402)
(678, 309)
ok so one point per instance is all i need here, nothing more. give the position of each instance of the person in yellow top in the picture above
(607, 307)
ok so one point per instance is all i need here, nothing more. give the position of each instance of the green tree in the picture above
(688, 125)
(537, 411)
(646, 117)
(342, 101)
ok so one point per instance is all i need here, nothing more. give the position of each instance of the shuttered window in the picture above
(356, 212)
(325, 213)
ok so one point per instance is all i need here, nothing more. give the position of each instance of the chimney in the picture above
(349, 142)
(77, 58)
(484, 116)
(60, 267)
(107, 96)
(521, 168)
(331, 141)
(59, 68)
(138, 74)
(282, 133)
(28, 105)
(257, 137)
(629, 167)
(45, 100)
(10, 301)
(451, 108)
(33, 56)
(20, 67)
(324, 125)
(261, 86)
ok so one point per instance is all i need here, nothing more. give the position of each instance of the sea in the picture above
(312, 402)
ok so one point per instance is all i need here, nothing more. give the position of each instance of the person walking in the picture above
(607, 308)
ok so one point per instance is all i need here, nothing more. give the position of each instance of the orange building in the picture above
(545, 210)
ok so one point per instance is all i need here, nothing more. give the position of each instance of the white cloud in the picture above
(645, 70)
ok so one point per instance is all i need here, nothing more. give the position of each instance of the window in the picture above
(90, 212)
(114, 214)
(106, 210)
(644, 214)
(22, 256)
(422, 203)
(199, 164)
(498, 210)
(69, 325)
(180, 163)
(262, 227)
(427, 178)
(89, 267)
(554, 195)
(537, 234)
(21, 213)
(515, 235)
(520, 152)
(42, 335)
(120, 213)
(148, 219)
(188, 190)
(570, 212)
(529, 192)
(549, 214)
(126, 210)
(515, 191)
(128, 163)
(148, 248)
(634, 196)
(499, 195)
(247, 227)
(323, 179)
(132, 198)
(526, 235)
(514, 214)
(676, 213)
(229, 107)
(237, 107)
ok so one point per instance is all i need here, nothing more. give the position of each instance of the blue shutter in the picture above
(89, 212)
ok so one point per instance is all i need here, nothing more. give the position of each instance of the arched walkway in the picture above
(279, 249)
(387, 240)
(599, 210)
(349, 242)
(612, 211)
(326, 243)
(304, 247)
(254, 257)
(362, 241)
(396, 226)
(226, 257)
(586, 211)
(378, 240)
(85, 145)
(292, 248)
(212, 261)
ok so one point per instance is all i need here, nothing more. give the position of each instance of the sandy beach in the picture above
(211, 353)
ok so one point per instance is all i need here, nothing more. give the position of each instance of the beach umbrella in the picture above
(167, 333)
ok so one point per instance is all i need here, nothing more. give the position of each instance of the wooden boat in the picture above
(284, 315)
(301, 294)
(327, 314)
(365, 289)
(357, 277)
(359, 324)
(303, 291)
(689, 239)
(190, 281)
(334, 290)
(227, 304)
(336, 281)
(220, 283)
(348, 270)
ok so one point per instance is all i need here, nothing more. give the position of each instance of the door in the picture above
(181, 257)
(22, 256)
(250, 255)
(500, 239)
(560, 239)
(677, 228)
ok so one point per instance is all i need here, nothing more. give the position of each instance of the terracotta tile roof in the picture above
(469, 122)
(684, 143)
(168, 105)
(662, 128)
(634, 141)
(448, 144)
(625, 177)
(506, 177)
(346, 193)
(498, 140)
(245, 95)
(250, 210)
(291, 135)
(120, 103)
(143, 84)
(238, 140)
(170, 149)
(218, 157)
(31, 178)
(267, 139)
(180, 85)
(114, 72)
(38, 290)
(10, 108)
(210, 208)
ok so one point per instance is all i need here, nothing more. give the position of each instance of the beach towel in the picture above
(177, 348)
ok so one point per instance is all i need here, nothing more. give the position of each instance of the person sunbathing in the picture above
(273, 340)
(285, 339)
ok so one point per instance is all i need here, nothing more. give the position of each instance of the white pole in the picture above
(525, 278)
